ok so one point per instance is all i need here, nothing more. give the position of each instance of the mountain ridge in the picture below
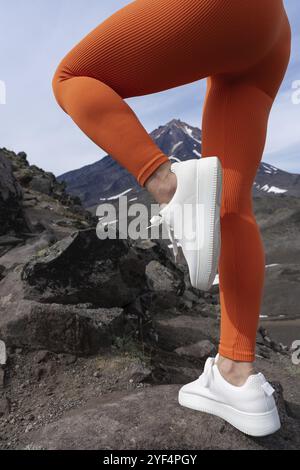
(105, 178)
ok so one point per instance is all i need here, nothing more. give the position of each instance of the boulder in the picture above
(160, 278)
(76, 329)
(11, 215)
(61, 328)
(200, 350)
(138, 371)
(81, 268)
(165, 284)
(37, 197)
(184, 330)
(42, 183)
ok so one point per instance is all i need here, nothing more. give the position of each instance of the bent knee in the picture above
(61, 75)
(57, 88)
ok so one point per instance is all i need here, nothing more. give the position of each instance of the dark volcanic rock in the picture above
(11, 214)
(166, 285)
(183, 330)
(55, 300)
(33, 200)
(62, 328)
(201, 350)
(161, 278)
(65, 297)
(81, 268)
(33, 177)
(156, 422)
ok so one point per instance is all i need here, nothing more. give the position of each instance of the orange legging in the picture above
(242, 47)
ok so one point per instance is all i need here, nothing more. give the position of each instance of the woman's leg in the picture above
(149, 46)
(234, 127)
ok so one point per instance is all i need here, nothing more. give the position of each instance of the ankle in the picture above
(162, 183)
(235, 372)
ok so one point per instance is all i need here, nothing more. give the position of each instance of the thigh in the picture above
(152, 45)
(142, 48)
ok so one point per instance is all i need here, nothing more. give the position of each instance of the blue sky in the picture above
(36, 34)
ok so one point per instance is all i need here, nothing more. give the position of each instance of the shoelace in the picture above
(156, 220)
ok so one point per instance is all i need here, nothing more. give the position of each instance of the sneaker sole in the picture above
(209, 191)
(252, 424)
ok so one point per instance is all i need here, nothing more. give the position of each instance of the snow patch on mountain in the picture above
(189, 131)
(161, 133)
(273, 189)
(267, 168)
(176, 146)
(116, 196)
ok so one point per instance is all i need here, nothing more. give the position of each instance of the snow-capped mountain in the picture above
(106, 179)
(179, 140)
(272, 180)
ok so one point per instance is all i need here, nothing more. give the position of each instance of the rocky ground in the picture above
(98, 336)
(126, 397)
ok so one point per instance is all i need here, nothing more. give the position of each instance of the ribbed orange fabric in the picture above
(148, 46)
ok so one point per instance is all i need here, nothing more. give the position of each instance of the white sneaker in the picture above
(192, 217)
(250, 408)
